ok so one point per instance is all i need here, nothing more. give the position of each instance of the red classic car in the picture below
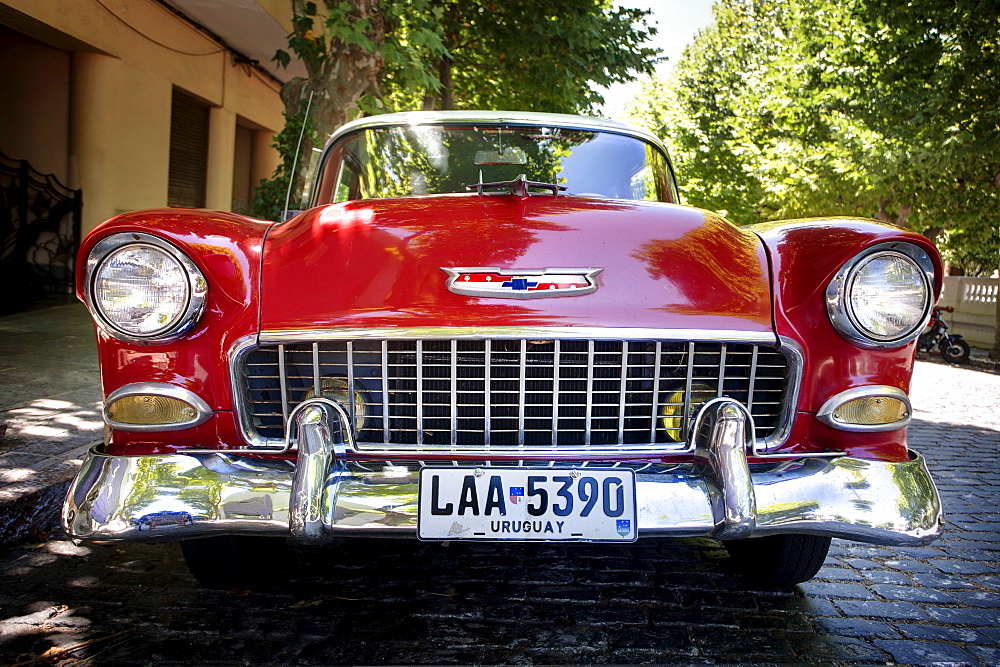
(502, 326)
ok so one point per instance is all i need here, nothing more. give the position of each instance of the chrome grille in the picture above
(513, 394)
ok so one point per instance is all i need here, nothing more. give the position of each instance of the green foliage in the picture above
(790, 108)
(268, 200)
(533, 55)
(372, 56)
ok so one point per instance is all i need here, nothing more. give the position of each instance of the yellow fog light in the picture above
(154, 406)
(873, 408)
(672, 410)
(336, 389)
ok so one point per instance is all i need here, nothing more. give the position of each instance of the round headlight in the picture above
(141, 287)
(887, 296)
(883, 297)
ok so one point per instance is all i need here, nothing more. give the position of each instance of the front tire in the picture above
(778, 561)
(956, 351)
(229, 562)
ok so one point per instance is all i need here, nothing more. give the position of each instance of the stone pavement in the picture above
(50, 400)
(664, 601)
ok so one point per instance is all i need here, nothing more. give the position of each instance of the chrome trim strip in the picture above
(241, 392)
(279, 336)
(786, 418)
(566, 121)
(202, 410)
(210, 494)
(827, 412)
(197, 287)
(841, 312)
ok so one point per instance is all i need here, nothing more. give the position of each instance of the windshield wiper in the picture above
(518, 187)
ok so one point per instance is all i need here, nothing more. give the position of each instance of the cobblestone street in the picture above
(403, 602)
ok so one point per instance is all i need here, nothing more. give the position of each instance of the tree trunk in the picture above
(903, 214)
(447, 84)
(337, 82)
(883, 212)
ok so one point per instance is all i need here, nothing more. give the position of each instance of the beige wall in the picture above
(118, 109)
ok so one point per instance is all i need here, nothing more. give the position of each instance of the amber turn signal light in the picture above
(154, 406)
(872, 408)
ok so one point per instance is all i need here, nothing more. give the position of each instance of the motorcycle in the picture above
(952, 347)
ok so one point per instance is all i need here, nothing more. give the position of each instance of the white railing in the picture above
(975, 304)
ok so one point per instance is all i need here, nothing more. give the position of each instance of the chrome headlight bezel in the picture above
(195, 284)
(841, 310)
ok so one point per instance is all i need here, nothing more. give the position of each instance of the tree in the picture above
(878, 108)
(368, 56)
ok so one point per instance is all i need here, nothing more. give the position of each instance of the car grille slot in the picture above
(513, 394)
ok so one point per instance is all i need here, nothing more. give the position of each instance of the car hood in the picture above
(379, 263)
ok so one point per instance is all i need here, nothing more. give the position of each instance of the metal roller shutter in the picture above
(188, 151)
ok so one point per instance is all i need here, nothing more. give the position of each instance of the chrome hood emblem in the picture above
(520, 283)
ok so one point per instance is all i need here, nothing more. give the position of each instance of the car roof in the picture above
(515, 117)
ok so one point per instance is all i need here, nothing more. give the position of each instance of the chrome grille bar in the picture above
(687, 387)
(420, 392)
(350, 391)
(283, 382)
(521, 388)
(590, 393)
(488, 402)
(516, 394)
(386, 433)
(454, 393)
(656, 392)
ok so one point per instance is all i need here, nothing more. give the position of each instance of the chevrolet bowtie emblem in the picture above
(520, 283)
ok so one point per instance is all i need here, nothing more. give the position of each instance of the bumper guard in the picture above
(323, 494)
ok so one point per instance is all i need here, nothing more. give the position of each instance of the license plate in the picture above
(523, 504)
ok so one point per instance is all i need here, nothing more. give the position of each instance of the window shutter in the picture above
(188, 151)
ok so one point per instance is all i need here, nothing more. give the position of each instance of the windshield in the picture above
(436, 159)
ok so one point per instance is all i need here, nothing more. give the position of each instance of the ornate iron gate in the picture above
(39, 234)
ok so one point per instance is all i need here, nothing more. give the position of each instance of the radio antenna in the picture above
(295, 160)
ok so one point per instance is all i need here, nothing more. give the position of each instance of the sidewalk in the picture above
(50, 400)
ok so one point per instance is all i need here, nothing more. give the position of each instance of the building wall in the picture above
(34, 109)
(123, 60)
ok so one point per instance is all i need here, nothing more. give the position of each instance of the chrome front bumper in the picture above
(323, 495)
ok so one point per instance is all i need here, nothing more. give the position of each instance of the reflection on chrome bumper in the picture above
(170, 497)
